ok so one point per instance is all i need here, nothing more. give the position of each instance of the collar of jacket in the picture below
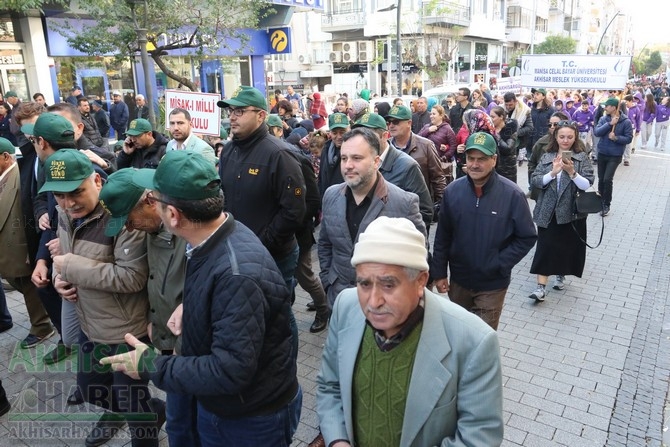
(381, 190)
(490, 183)
(253, 139)
(97, 213)
(219, 235)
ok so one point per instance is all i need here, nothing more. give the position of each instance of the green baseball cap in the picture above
(138, 127)
(65, 170)
(539, 90)
(402, 113)
(372, 121)
(274, 121)
(245, 96)
(184, 175)
(481, 141)
(52, 127)
(118, 197)
(6, 146)
(11, 94)
(338, 121)
(612, 102)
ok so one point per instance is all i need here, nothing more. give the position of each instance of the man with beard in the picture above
(329, 173)
(143, 146)
(348, 208)
(90, 125)
(183, 137)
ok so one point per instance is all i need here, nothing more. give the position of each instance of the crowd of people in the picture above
(174, 259)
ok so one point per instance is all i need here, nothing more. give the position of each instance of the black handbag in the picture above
(589, 202)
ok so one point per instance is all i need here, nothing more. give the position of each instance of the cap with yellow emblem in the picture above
(481, 141)
(65, 170)
(245, 96)
(338, 121)
(371, 121)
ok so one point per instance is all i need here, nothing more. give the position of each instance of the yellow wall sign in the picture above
(280, 40)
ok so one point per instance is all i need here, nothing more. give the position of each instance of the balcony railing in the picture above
(353, 19)
(443, 12)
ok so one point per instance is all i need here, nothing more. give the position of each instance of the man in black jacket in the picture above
(462, 98)
(329, 171)
(236, 341)
(143, 147)
(90, 124)
(101, 119)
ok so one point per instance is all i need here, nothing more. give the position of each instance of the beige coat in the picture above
(14, 261)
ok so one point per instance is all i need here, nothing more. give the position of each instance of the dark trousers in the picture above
(39, 319)
(486, 304)
(115, 391)
(607, 165)
(287, 266)
(310, 282)
(5, 316)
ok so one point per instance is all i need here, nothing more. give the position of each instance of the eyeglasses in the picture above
(33, 140)
(553, 124)
(566, 123)
(394, 122)
(240, 112)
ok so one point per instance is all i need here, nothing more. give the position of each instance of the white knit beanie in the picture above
(394, 241)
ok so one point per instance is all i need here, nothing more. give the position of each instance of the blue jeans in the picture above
(287, 266)
(181, 420)
(607, 165)
(275, 429)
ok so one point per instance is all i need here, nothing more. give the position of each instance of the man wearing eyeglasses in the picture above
(462, 99)
(183, 137)
(262, 182)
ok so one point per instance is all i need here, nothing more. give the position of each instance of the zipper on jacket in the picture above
(477, 204)
(169, 264)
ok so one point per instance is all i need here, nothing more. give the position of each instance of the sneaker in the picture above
(57, 354)
(626, 163)
(605, 211)
(558, 283)
(538, 294)
(33, 340)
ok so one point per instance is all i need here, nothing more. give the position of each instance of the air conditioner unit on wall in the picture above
(349, 52)
(366, 51)
(336, 56)
(305, 59)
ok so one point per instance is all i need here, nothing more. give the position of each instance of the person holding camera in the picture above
(143, 146)
(563, 170)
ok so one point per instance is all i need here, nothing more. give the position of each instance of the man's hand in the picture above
(65, 289)
(95, 158)
(612, 136)
(128, 147)
(128, 362)
(54, 247)
(442, 285)
(174, 323)
(43, 222)
(58, 262)
(40, 276)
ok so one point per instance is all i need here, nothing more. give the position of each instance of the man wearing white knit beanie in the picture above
(402, 365)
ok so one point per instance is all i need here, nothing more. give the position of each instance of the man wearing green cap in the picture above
(133, 206)
(421, 149)
(105, 277)
(329, 171)
(15, 264)
(262, 179)
(236, 355)
(397, 167)
(615, 131)
(183, 137)
(143, 147)
(485, 228)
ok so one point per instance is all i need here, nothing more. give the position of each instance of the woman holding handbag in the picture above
(562, 171)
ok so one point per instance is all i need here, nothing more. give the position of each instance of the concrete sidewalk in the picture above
(588, 367)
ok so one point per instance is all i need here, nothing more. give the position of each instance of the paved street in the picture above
(588, 367)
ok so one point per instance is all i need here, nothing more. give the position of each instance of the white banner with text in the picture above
(205, 114)
(575, 71)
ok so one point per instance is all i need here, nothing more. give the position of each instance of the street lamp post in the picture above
(604, 32)
(144, 58)
(398, 44)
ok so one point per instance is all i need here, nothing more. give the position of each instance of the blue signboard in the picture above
(280, 40)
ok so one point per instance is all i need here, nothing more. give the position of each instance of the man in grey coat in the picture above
(349, 207)
(397, 167)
